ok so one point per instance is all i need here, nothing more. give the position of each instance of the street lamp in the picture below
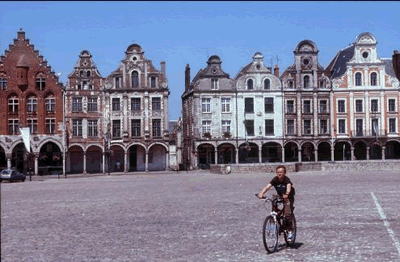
(107, 141)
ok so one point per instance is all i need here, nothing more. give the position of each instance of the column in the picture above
(167, 160)
(36, 165)
(283, 154)
(126, 162)
(352, 153)
(332, 153)
(84, 162)
(8, 161)
(236, 156)
(147, 162)
(104, 163)
(215, 156)
(367, 152)
(299, 155)
(316, 155)
(260, 155)
(383, 153)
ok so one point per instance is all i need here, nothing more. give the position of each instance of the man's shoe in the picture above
(290, 236)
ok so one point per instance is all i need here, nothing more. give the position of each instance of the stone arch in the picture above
(206, 155)
(360, 150)
(117, 158)
(3, 158)
(50, 157)
(50, 140)
(342, 151)
(271, 152)
(137, 157)
(375, 151)
(291, 151)
(94, 159)
(157, 143)
(248, 153)
(18, 156)
(392, 149)
(75, 156)
(307, 152)
(324, 151)
(157, 157)
(226, 153)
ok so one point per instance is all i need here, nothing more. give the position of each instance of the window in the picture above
(116, 106)
(135, 79)
(322, 106)
(250, 127)
(374, 105)
(290, 106)
(153, 82)
(76, 127)
(392, 105)
(269, 105)
(214, 84)
(77, 104)
(135, 127)
(392, 125)
(206, 126)
(375, 126)
(81, 73)
(267, 84)
(359, 127)
(306, 82)
(307, 106)
(13, 127)
(32, 104)
(341, 106)
(40, 83)
(290, 84)
(156, 103)
(135, 104)
(13, 105)
(116, 128)
(156, 127)
(358, 79)
(321, 84)
(225, 105)
(50, 125)
(248, 105)
(88, 73)
(50, 104)
(92, 104)
(226, 126)
(206, 105)
(92, 128)
(117, 84)
(307, 127)
(290, 127)
(32, 124)
(269, 127)
(79, 87)
(342, 126)
(323, 126)
(250, 84)
(374, 78)
(359, 106)
(3, 83)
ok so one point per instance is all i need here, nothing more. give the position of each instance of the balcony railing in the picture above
(368, 133)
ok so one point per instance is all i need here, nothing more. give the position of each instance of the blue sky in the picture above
(189, 32)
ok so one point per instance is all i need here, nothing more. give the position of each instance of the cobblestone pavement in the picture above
(198, 216)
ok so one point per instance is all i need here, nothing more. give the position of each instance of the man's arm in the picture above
(288, 189)
(264, 190)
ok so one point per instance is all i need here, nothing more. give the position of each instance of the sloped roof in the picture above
(389, 67)
(337, 66)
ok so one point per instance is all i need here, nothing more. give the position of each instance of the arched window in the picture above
(306, 82)
(13, 105)
(32, 104)
(81, 73)
(358, 79)
(50, 103)
(135, 79)
(374, 78)
(267, 84)
(250, 84)
(88, 73)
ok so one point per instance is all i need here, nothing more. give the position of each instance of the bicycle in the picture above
(275, 224)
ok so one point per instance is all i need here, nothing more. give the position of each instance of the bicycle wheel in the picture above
(293, 229)
(270, 234)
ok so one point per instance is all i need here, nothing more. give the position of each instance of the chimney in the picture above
(21, 34)
(396, 63)
(276, 70)
(187, 77)
(162, 64)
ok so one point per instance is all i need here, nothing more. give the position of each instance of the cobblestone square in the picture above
(198, 216)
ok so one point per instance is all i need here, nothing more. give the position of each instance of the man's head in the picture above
(280, 171)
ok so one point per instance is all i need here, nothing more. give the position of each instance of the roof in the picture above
(389, 67)
(337, 66)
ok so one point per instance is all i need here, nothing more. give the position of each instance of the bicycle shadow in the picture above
(283, 246)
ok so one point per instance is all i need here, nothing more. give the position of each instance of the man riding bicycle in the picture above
(284, 188)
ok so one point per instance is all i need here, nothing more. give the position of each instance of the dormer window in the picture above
(214, 84)
(358, 79)
(153, 82)
(290, 84)
(306, 82)
(267, 84)
(374, 78)
(40, 82)
(88, 73)
(250, 84)
(135, 79)
(117, 83)
(81, 73)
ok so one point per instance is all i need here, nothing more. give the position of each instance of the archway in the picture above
(50, 159)
(291, 152)
(360, 151)
(3, 159)
(117, 159)
(206, 155)
(248, 153)
(75, 160)
(94, 159)
(324, 151)
(226, 154)
(342, 151)
(375, 151)
(392, 150)
(307, 152)
(18, 157)
(137, 158)
(271, 152)
(157, 158)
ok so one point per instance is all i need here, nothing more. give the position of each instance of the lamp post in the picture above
(107, 141)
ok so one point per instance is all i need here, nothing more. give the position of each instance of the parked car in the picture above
(11, 175)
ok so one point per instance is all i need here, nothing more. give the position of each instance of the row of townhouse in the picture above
(348, 111)
(92, 124)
